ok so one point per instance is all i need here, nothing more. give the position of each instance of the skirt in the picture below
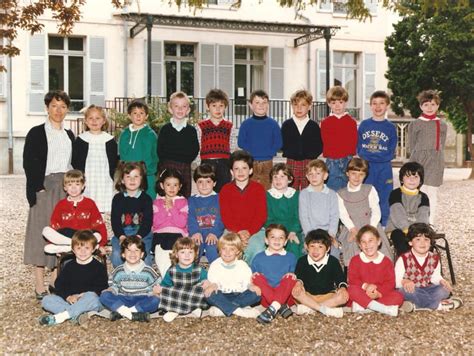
(39, 216)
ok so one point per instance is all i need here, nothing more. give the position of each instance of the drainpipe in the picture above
(10, 114)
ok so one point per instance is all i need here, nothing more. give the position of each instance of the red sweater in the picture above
(215, 139)
(339, 136)
(84, 215)
(243, 209)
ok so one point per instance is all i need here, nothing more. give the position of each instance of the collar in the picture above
(418, 257)
(89, 260)
(281, 253)
(241, 190)
(377, 260)
(75, 202)
(230, 265)
(299, 122)
(160, 197)
(339, 116)
(356, 189)
(407, 191)
(178, 126)
(125, 194)
(132, 129)
(48, 125)
(289, 192)
(198, 195)
(318, 266)
(325, 189)
(427, 118)
(135, 268)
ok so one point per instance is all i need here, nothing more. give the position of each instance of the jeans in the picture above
(426, 297)
(143, 303)
(229, 302)
(116, 256)
(381, 177)
(211, 250)
(337, 172)
(255, 246)
(55, 304)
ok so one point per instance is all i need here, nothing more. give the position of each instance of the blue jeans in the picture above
(381, 177)
(337, 172)
(426, 297)
(229, 302)
(211, 250)
(55, 304)
(255, 246)
(143, 303)
(116, 256)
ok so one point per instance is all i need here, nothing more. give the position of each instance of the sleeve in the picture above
(167, 281)
(194, 145)
(97, 223)
(354, 135)
(344, 214)
(113, 281)
(203, 275)
(76, 161)
(411, 136)
(226, 210)
(399, 272)
(101, 282)
(333, 214)
(56, 222)
(398, 213)
(359, 139)
(436, 277)
(277, 140)
(299, 268)
(294, 225)
(376, 214)
(393, 141)
(218, 228)
(242, 141)
(338, 274)
(147, 220)
(150, 154)
(116, 216)
(112, 156)
(179, 213)
(193, 226)
(161, 143)
(285, 139)
(423, 212)
(388, 282)
(260, 210)
(293, 260)
(354, 277)
(304, 211)
(159, 213)
(31, 162)
(60, 285)
(212, 273)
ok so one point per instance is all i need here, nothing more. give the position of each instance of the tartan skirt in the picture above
(298, 168)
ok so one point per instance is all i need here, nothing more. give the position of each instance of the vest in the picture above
(421, 275)
(215, 140)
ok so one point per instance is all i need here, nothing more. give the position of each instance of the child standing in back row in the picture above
(137, 143)
(178, 144)
(339, 134)
(215, 137)
(260, 135)
(301, 138)
(427, 138)
(376, 144)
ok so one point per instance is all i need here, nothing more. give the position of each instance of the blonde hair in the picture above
(74, 175)
(179, 95)
(337, 93)
(315, 164)
(181, 244)
(231, 239)
(101, 112)
(82, 237)
(302, 94)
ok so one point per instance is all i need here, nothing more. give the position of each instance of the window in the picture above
(66, 68)
(345, 74)
(179, 67)
(339, 7)
(248, 72)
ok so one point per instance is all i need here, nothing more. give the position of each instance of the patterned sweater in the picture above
(133, 280)
(215, 139)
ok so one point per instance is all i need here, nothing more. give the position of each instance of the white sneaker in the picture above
(334, 312)
(54, 249)
(247, 312)
(392, 310)
(196, 313)
(170, 316)
(215, 312)
(357, 308)
(407, 307)
(302, 309)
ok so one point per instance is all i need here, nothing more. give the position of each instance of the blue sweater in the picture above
(204, 216)
(261, 136)
(274, 267)
(377, 140)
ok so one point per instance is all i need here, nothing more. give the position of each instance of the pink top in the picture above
(174, 220)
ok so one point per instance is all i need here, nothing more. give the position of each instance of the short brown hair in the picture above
(302, 94)
(137, 103)
(337, 93)
(82, 237)
(132, 240)
(204, 170)
(315, 164)
(276, 227)
(418, 229)
(101, 112)
(216, 95)
(59, 95)
(181, 244)
(428, 95)
(367, 228)
(231, 239)
(74, 175)
(284, 168)
(179, 95)
(380, 94)
(125, 168)
(358, 164)
(260, 93)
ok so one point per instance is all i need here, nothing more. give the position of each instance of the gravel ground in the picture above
(416, 333)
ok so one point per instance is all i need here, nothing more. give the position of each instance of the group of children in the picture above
(287, 225)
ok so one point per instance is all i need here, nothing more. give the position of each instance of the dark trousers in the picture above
(400, 242)
(222, 169)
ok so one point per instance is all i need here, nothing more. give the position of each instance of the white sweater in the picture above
(234, 277)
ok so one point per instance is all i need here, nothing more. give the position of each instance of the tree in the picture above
(434, 51)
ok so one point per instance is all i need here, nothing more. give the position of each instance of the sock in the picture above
(334, 312)
(276, 305)
(62, 317)
(125, 312)
(391, 310)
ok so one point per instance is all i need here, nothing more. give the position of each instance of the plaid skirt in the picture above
(186, 294)
(298, 168)
(185, 171)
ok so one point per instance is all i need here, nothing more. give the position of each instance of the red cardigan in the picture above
(84, 216)
(243, 209)
(339, 136)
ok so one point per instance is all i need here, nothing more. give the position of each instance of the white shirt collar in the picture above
(325, 189)
(339, 116)
(425, 119)
(318, 266)
(178, 126)
(356, 189)
(281, 253)
(75, 202)
(125, 194)
(377, 260)
(301, 124)
(278, 195)
(197, 195)
(135, 268)
(48, 125)
(133, 129)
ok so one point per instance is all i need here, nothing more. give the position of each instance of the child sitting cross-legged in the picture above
(230, 290)
(78, 285)
(418, 273)
(273, 275)
(131, 285)
(321, 282)
(182, 288)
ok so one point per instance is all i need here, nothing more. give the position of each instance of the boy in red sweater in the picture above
(243, 204)
(339, 134)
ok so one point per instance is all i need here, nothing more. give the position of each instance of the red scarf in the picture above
(438, 124)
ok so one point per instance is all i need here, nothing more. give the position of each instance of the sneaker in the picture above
(334, 312)
(81, 319)
(391, 310)
(285, 311)
(170, 316)
(141, 316)
(114, 316)
(302, 309)
(407, 307)
(247, 312)
(196, 313)
(215, 312)
(47, 320)
(267, 315)
(451, 304)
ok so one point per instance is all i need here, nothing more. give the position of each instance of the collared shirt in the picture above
(300, 124)
(198, 195)
(325, 189)
(377, 259)
(125, 194)
(178, 126)
(375, 215)
(318, 266)
(134, 268)
(59, 149)
(289, 192)
(268, 253)
(339, 116)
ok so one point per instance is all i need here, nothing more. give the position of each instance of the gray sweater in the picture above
(406, 208)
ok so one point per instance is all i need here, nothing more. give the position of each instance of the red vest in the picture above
(421, 275)
(215, 140)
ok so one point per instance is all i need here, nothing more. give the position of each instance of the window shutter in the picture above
(371, 5)
(321, 73)
(225, 69)
(97, 71)
(37, 87)
(157, 68)
(277, 73)
(207, 68)
(369, 81)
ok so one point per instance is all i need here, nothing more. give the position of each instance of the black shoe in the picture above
(51, 289)
(267, 315)
(141, 316)
(40, 296)
(285, 311)
(115, 316)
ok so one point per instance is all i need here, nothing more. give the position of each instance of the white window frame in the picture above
(178, 59)
(357, 66)
(250, 62)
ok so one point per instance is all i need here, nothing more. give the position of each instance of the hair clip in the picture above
(162, 172)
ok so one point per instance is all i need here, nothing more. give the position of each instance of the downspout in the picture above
(125, 53)
(10, 113)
